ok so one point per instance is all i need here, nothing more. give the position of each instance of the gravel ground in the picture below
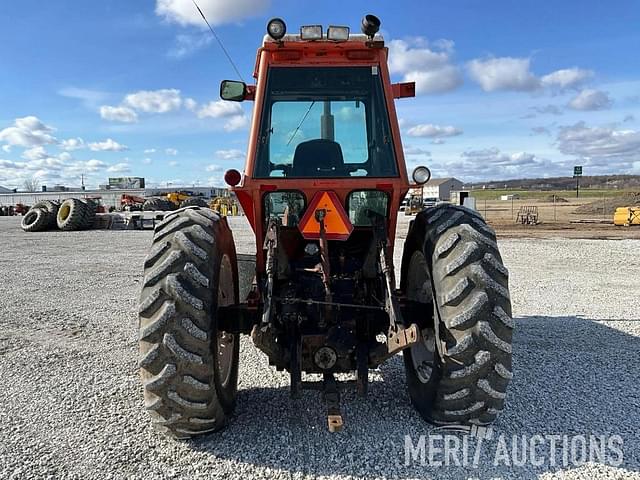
(71, 402)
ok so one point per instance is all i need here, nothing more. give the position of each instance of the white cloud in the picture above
(429, 66)
(238, 122)
(61, 168)
(35, 153)
(118, 114)
(154, 101)
(95, 164)
(504, 73)
(217, 12)
(109, 145)
(171, 151)
(190, 104)
(186, 44)
(220, 109)
(566, 78)
(590, 99)
(27, 132)
(6, 148)
(492, 163)
(548, 109)
(90, 98)
(599, 142)
(72, 144)
(119, 168)
(540, 131)
(147, 161)
(214, 168)
(413, 150)
(173, 163)
(493, 157)
(232, 154)
(149, 150)
(434, 131)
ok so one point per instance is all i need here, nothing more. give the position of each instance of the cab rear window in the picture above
(364, 205)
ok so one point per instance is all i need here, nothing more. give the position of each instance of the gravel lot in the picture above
(71, 402)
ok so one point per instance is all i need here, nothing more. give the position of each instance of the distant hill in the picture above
(621, 182)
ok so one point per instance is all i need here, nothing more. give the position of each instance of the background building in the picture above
(441, 188)
(109, 198)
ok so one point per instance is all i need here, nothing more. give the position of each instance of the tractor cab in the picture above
(324, 121)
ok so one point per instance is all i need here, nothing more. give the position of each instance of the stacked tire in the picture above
(158, 205)
(42, 216)
(194, 202)
(90, 210)
(75, 214)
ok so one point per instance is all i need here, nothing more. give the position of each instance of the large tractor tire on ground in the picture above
(189, 368)
(451, 263)
(158, 205)
(89, 213)
(71, 214)
(51, 207)
(194, 202)
(36, 220)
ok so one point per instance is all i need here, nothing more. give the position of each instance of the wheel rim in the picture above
(64, 212)
(30, 218)
(423, 354)
(225, 345)
(418, 279)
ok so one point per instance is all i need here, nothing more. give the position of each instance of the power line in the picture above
(219, 41)
(301, 122)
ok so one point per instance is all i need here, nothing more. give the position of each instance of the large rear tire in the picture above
(189, 368)
(451, 256)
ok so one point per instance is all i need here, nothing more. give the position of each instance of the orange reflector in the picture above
(336, 223)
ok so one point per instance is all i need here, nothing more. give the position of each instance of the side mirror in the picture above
(233, 90)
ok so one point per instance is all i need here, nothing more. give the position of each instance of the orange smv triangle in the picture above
(337, 225)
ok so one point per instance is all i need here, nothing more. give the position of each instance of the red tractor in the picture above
(324, 178)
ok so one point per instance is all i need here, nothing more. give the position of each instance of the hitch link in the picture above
(399, 336)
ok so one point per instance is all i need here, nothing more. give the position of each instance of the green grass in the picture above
(538, 194)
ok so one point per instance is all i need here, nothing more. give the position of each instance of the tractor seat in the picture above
(318, 158)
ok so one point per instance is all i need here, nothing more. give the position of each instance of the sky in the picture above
(505, 89)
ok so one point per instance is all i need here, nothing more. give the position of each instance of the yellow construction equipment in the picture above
(415, 203)
(627, 216)
(178, 197)
(224, 206)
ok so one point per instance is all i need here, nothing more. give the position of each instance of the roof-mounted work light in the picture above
(276, 28)
(338, 34)
(311, 32)
(370, 25)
